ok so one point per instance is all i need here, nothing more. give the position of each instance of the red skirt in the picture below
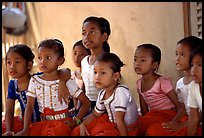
(50, 127)
(102, 126)
(158, 130)
(17, 124)
(151, 117)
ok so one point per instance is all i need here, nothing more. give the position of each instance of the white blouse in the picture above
(195, 99)
(47, 92)
(87, 74)
(182, 91)
(120, 100)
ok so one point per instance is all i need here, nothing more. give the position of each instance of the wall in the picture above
(132, 23)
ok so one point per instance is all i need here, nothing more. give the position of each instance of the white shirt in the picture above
(195, 99)
(47, 92)
(120, 100)
(87, 74)
(182, 91)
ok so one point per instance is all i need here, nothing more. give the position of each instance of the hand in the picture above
(22, 133)
(83, 130)
(63, 92)
(172, 126)
(72, 123)
(8, 133)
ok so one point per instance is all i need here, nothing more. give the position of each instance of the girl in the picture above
(195, 94)
(55, 117)
(114, 98)
(78, 53)
(95, 33)
(19, 61)
(178, 125)
(158, 99)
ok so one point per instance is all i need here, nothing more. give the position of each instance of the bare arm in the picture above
(193, 122)
(174, 99)
(63, 92)
(143, 105)
(27, 116)
(121, 123)
(9, 116)
(83, 128)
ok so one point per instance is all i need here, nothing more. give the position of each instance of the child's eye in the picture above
(103, 73)
(200, 64)
(95, 72)
(39, 58)
(143, 60)
(49, 58)
(92, 32)
(8, 62)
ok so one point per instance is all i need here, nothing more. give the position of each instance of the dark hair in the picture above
(197, 51)
(79, 43)
(154, 50)
(113, 60)
(54, 44)
(192, 41)
(104, 26)
(23, 50)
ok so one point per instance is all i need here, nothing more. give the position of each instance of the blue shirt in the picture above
(21, 96)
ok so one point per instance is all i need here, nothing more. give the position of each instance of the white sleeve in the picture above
(73, 88)
(122, 98)
(192, 96)
(100, 107)
(31, 88)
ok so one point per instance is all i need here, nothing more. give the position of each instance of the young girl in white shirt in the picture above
(55, 117)
(114, 99)
(195, 94)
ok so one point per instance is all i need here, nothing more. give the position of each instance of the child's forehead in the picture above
(90, 25)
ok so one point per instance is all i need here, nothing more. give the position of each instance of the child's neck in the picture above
(54, 75)
(110, 90)
(187, 77)
(23, 82)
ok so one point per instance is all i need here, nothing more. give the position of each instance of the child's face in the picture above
(48, 60)
(16, 65)
(79, 52)
(143, 62)
(182, 57)
(91, 35)
(104, 76)
(196, 68)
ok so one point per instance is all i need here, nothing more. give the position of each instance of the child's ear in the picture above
(105, 36)
(61, 60)
(29, 65)
(155, 65)
(116, 76)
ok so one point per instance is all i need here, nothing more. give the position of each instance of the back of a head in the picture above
(54, 44)
(113, 60)
(154, 50)
(23, 50)
(192, 41)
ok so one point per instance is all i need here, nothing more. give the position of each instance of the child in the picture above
(114, 98)
(178, 125)
(158, 100)
(95, 33)
(55, 117)
(19, 61)
(195, 94)
(78, 53)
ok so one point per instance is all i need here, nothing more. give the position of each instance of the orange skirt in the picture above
(50, 127)
(151, 117)
(102, 126)
(17, 125)
(158, 130)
